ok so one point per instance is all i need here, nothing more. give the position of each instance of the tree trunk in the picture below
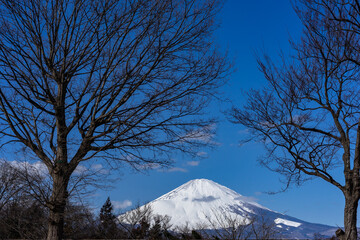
(57, 207)
(350, 215)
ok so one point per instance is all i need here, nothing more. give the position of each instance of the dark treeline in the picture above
(24, 213)
(27, 219)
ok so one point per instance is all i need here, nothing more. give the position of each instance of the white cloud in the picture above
(121, 204)
(193, 163)
(244, 131)
(35, 168)
(205, 135)
(149, 166)
(176, 169)
(267, 124)
(97, 166)
(80, 169)
(202, 154)
(247, 199)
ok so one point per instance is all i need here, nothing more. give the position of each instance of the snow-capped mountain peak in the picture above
(199, 203)
(206, 191)
(199, 188)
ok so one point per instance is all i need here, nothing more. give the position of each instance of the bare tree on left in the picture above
(122, 81)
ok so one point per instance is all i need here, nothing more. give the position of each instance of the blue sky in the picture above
(246, 26)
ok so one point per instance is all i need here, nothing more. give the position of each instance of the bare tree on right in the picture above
(308, 114)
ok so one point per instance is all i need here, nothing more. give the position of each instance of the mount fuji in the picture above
(201, 201)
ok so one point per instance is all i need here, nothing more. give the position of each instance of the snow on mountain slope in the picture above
(287, 222)
(198, 202)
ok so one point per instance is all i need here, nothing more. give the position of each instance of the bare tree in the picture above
(228, 225)
(10, 184)
(262, 228)
(308, 114)
(23, 195)
(222, 224)
(131, 220)
(141, 223)
(21, 180)
(122, 81)
(23, 218)
(22, 215)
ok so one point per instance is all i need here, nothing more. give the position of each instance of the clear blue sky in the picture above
(246, 26)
